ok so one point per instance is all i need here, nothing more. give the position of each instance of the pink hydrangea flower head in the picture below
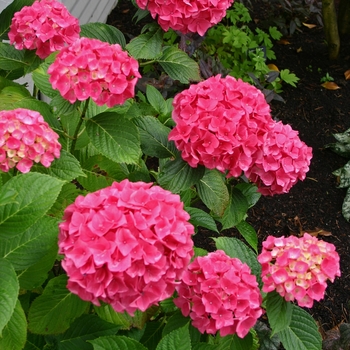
(46, 26)
(195, 16)
(219, 293)
(96, 69)
(298, 268)
(25, 139)
(220, 123)
(127, 245)
(283, 160)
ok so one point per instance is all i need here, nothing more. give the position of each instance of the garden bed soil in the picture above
(315, 204)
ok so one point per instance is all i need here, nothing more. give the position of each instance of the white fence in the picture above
(86, 10)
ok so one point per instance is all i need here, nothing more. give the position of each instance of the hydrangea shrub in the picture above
(103, 188)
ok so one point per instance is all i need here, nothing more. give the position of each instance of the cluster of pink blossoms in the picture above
(46, 26)
(126, 245)
(96, 69)
(219, 293)
(283, 160)
(195, 16)
(26, 138)
(226, 124)
(298, 268)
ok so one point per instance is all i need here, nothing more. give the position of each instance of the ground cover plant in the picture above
(127, 244)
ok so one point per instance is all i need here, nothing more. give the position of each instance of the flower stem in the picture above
(35, 91)
(143, 64)
(76, 133)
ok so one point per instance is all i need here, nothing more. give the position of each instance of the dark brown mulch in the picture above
(314, 204)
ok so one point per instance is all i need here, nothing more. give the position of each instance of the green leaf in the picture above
(200, 218)
(344, 176)
(343, 149)
(84, 328)
(41, 80)
(42, 107)
(154, 137)
(200, 251)
(27, 248)
(156, 100)
(346, 205)
(302, 333)
(63, 106)
(344, 329)
(146, 46)
(265, 340)
(7, 14)
(5, 82)
(107, 313)
(9, 289)
(8, 197)
(204, 346)
(36, 195)
(69, 124)
(15, 332)
(175, 321)
(10, 58)
(16, 90)
(178, 339)
(234, 248)
(250, 191)
(67, 196)
(343, 137)
(103, 32)
(54, 310)
(115, 137)
(65, 168)
(101, 172)
(249, 234)
(17, 63)
(236, 210)
(233, 342)
(176, 175)
(35, 342)
(288, 77)
(179, 66)
(279, 312)
(152, 335)
(116, 343)
(213, 191)
(11, 95)
(35, 275)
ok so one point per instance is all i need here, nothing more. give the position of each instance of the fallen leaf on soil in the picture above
(347, 74)
(273, 67)
(299, 50)
(319, 232)
(309, 25)
(330, 85)
(283, 42)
